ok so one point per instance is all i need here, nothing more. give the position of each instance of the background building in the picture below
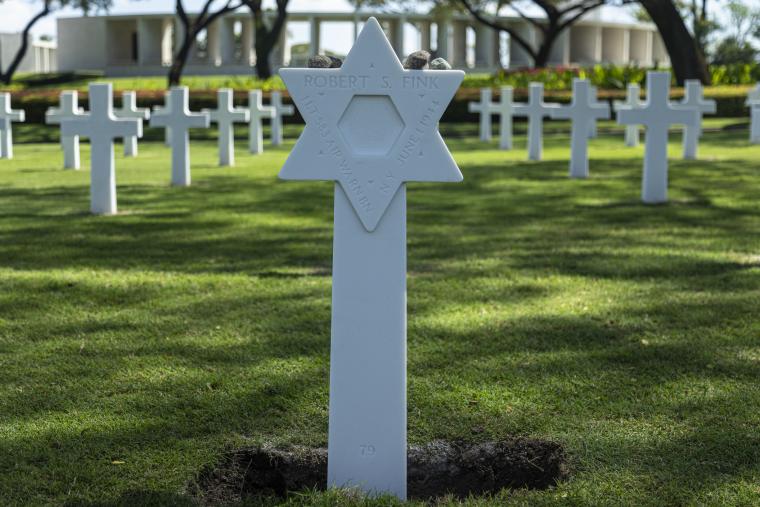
(132, 45)
(40, 57)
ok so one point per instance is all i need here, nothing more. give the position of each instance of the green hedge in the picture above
(730, 101)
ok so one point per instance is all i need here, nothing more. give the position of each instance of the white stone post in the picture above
(753, 103)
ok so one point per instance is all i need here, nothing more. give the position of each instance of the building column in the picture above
(560, 54)
(518, 57)
(459, 43)
(213, 43)
(315, 33)
(424, 29)
(486, 46)
(227, 41)
(442, 43)
(396, 29)
(143, 42)
(598, 41)
(649, 49)
(167, 36)
(246, 41)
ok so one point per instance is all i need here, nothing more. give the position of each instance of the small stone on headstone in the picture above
(335, 62)
(417, 60)
(319, 62)
(440, 64)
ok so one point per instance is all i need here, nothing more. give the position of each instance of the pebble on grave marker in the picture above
(371, 149)
(417, 60)
(178, 119)
(582, 112)
(657, 114)
(535, 110)
(68, 108)
(753, 103)
(440, 64)
(102, 127)
(7, 117)
(632, 100)
(225, 116)
(129, 109)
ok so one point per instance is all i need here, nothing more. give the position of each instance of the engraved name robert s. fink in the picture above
(362, 82)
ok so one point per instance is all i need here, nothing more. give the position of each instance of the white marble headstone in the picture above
(582, 112)
(505, 109)
(657, 114)
(7, 117)
(225, 116)
(258, 112)
(280, 110)
(535, 110)
(753, 102)
(371, 126)
(178, 119)
(593, 131)
(632, 101)
(68, 108)
(129, 109)
(102, 127)
(694, 101)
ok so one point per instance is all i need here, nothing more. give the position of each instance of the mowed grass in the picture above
(136, 349)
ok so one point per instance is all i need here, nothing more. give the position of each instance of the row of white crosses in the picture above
(536, 110)
(103, 125)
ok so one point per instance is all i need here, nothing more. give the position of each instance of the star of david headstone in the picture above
(371, 126)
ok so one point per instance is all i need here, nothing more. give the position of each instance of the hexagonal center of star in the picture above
(370, 125)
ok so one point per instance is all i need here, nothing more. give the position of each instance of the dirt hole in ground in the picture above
(433, 470)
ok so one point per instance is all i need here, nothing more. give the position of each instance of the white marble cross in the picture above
(280, 110)
(7, 117)
(505, 108)
(258, 112)
(178, 120)
(165, 109)
(129, 109)
(593, 132)
(753, 102)
(694, 101)
(657, 114)
(225, 116)
(102, 127)
(485, 109)
(68, 108)
(582, 111)
(371, 126)
(535, 110)
(632, 101)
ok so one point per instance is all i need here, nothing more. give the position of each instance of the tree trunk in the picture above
(178, 65)
(263, 50)
(7, 76)
(685, 57)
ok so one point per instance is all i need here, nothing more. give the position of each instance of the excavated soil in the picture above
(433, 470)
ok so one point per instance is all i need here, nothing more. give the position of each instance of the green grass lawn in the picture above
(135, 350)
